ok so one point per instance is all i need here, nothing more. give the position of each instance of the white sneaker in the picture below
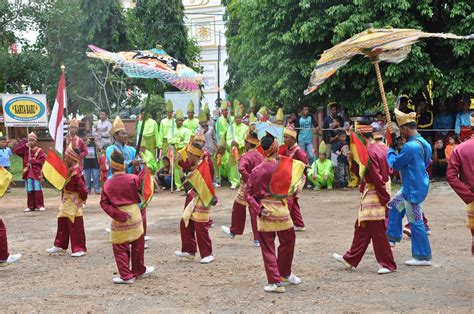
(27, 210)
(299, 229)
(340, 259)
(78, 254)
(119, 280)
(146, 238)
(292, 279)
(107, 230)
(274, 288)
(207, 259)
(392, 244)
(233, 187)
(256, 243)
(227, 232)
(145, 246)
(184, 254)
(149, 270)
(415, 262)
(55, 249)
(217, 185)
(41, 209)
(384, 270)
(428, 232)
(11, 259)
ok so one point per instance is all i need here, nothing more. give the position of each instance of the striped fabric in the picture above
(370, 207)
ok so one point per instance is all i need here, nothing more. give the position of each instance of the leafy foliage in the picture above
(272, 58)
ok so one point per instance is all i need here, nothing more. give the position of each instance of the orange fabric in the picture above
(449, 150)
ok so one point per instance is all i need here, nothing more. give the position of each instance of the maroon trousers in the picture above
(295, 211)
(3, 242)
(277, 266)
(73, 231)
(196, 231)
(375, 231)
(134, 252)
(238, 220)
(35, 200)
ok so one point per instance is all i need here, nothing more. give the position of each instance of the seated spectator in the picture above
(321, 173)
(164, 174)
(443, 121)
(440, 163)
(379, 121)
(340, 147)
(463, 121)
(453, 141)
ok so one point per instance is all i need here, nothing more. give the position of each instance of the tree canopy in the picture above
(271, 58)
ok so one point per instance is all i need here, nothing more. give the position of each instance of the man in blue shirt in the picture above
(305, 126)
(120, 144)
(411, 161)
(5, 154)
(443, 120)
(463, 121)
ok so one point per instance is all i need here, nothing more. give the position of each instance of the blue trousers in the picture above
(398, 208)
(92, 177)
(309, 150)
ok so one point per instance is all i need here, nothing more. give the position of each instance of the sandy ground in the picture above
(234, 282)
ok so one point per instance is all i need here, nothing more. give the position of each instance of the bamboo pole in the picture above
(375, 62)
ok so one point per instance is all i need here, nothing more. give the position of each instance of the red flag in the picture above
(55, 170)
(201, 181)
(287, 177)
(56, 123)
(360, 153)
(148, 187)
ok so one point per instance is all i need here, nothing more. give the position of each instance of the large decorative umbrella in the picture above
(390, 45)
(154, 63)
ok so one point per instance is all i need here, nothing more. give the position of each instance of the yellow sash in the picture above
(195, 211)
(279, 218)
(71, 206)
(129, 231)
(470, 215)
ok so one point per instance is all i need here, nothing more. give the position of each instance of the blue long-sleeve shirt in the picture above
(128, 153)
(462, 119)
(412, 163)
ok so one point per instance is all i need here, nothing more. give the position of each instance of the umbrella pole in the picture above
(382, 93)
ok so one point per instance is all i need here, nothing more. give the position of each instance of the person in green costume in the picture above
(191, 123)
(321, 173)
(179, 137)
(150, 133)
(165, 128)
(235, 137)
(149, 158)
(222, 157)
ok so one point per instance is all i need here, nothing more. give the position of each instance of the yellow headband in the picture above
(252, 140)
(195, 151)
(116, 167)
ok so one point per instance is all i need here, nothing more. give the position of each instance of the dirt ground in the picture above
(234, 282)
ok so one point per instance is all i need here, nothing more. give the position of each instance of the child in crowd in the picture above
(440, 163)
(164, 174)
(5, 153)
(453, 141)
(321, 173)
(340, 147)
(104, 167)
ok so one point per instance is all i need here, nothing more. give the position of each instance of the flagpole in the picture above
(145, 116)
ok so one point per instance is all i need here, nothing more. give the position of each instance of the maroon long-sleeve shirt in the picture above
(379, 171)
(77, 183)
(258, 183)
(460, 173)
(35, 158)
(120, 190)
(295, 152)
(248, 162)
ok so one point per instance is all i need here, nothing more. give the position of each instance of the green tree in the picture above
(272, 58)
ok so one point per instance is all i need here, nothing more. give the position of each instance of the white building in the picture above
(204, 19)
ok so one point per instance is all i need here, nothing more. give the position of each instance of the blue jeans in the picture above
(92, 176)
(309, 149)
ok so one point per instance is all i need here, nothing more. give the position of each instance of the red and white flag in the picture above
(56, 123)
